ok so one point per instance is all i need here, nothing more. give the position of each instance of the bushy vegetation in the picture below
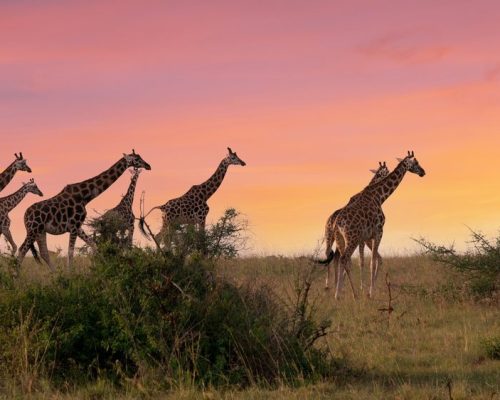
(491, 347)
(110, 227)
(480, 264)
(156, 319)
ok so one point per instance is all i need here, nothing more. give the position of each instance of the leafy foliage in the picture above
(480, 264)
(144, 315)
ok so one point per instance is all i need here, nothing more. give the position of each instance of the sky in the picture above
(311, 94)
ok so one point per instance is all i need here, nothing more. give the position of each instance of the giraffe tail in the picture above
(35, 253)
(142, 223)
(328, 259)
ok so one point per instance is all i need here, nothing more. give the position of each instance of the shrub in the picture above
(110, 227)
(491, 347)
(480, 264)
(162, 319)
(226, 238)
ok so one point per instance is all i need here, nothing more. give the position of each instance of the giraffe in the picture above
(123, 213)
(363, 220)
(381, 172)
(10, 202)
(65, 212)
(192, 208)
(19, 164)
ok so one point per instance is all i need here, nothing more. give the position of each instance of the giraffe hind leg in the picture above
(44, 251)
(28, 244)
(8, 236)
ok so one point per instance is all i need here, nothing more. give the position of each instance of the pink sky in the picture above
(310, 93)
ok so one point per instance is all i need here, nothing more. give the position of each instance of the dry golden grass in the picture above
(432, 340)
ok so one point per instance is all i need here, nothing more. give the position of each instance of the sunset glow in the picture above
(311, 94)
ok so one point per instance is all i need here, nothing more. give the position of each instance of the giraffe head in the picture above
(381, 172)
(135, 160)
(20, 163)
(32, 187)
(232, 158)
(411, 164)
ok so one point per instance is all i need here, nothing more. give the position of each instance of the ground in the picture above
(431, 343)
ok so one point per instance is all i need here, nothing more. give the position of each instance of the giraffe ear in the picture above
(373, 171)
(399, 159)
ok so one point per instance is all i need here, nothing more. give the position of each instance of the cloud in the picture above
(492, 74)
(405, 48)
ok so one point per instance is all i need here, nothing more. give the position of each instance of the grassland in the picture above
(431, 343)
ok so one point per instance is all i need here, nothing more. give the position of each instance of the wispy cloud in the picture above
(405, 48)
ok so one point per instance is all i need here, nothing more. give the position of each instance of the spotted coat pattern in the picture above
(381, 172)
(192, 207)
(123, 211)
(8, 203)
(363, 220)
(66, 211)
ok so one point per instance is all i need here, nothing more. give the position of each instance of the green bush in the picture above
(491, 347)
(162, 319)
(480, 264)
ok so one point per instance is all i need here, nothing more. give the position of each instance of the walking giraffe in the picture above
(8, 203)
(381, 172)
(363, 220)
(19, 164)
(192, 208)
(65, 212)
(121, 218)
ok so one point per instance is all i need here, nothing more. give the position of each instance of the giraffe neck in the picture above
(210, 186)
(128, 199)
(381, 190)
(376, 178)
(11, 201)
(91, 188)
(7, 175)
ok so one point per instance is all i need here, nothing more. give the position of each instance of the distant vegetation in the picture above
(480, 264)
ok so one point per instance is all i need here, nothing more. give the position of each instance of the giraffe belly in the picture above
(55, 229)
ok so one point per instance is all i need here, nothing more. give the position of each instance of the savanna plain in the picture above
(431, 345)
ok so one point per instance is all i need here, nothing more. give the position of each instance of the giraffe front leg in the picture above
(361, 264)
(373, 267)
(71, 247)
(8, 236)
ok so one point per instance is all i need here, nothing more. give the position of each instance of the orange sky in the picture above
(311, 94)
